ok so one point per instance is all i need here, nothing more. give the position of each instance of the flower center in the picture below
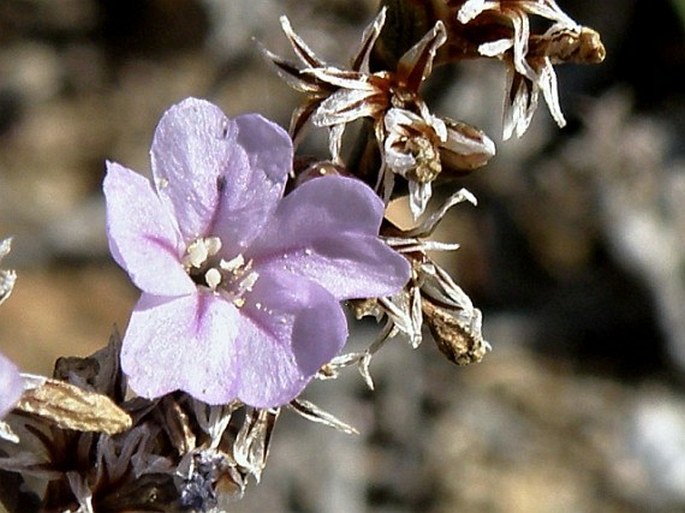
(427, 159)
(232, 278)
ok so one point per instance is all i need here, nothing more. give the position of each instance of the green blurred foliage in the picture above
(680, 7)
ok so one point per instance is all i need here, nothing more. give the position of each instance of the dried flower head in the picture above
(413, 143)
(241, 287)
(501, 29)
(431, 296)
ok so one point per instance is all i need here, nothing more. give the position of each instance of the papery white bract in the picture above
(240, 286)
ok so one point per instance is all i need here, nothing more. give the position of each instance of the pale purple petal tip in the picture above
(185, 343)
(11, 385)
(143, 238)
(348, 266)
(288, 330)
(192, 146)
(326, 230)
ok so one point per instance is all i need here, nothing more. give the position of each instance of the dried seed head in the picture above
(409, 137)
(411, 145)
(502, 29)
(458, 339)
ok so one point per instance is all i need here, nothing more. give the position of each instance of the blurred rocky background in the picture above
(576, 252)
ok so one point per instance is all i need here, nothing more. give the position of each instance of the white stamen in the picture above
(213, 278)
(200, 250)
(248, 282)
(197, 253)
(233, 264)
(213, 245)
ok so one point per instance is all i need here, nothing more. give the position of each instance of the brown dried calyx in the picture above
(458, 340)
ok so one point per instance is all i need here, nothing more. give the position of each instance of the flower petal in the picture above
(143, 238)
(185, 343)
(253, 183)
(289, 328)
(349, 266)
(212, 170)
(331, 204)
(326, 230)
(416, 64)
(347, 105)
(191, 149)
(11, 385)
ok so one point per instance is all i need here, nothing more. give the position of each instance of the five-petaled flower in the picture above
(241, 287)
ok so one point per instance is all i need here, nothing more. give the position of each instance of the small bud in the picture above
(579, 45)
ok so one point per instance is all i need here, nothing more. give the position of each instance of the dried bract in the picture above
(71, 407)
(7, 277)
(251, 447)
(453, 321)
(312, 412)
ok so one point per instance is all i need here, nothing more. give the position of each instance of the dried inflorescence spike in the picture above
(413, 143)
(87, 448)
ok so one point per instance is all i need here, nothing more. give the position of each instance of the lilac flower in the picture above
(240, 286)
(11, 385)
